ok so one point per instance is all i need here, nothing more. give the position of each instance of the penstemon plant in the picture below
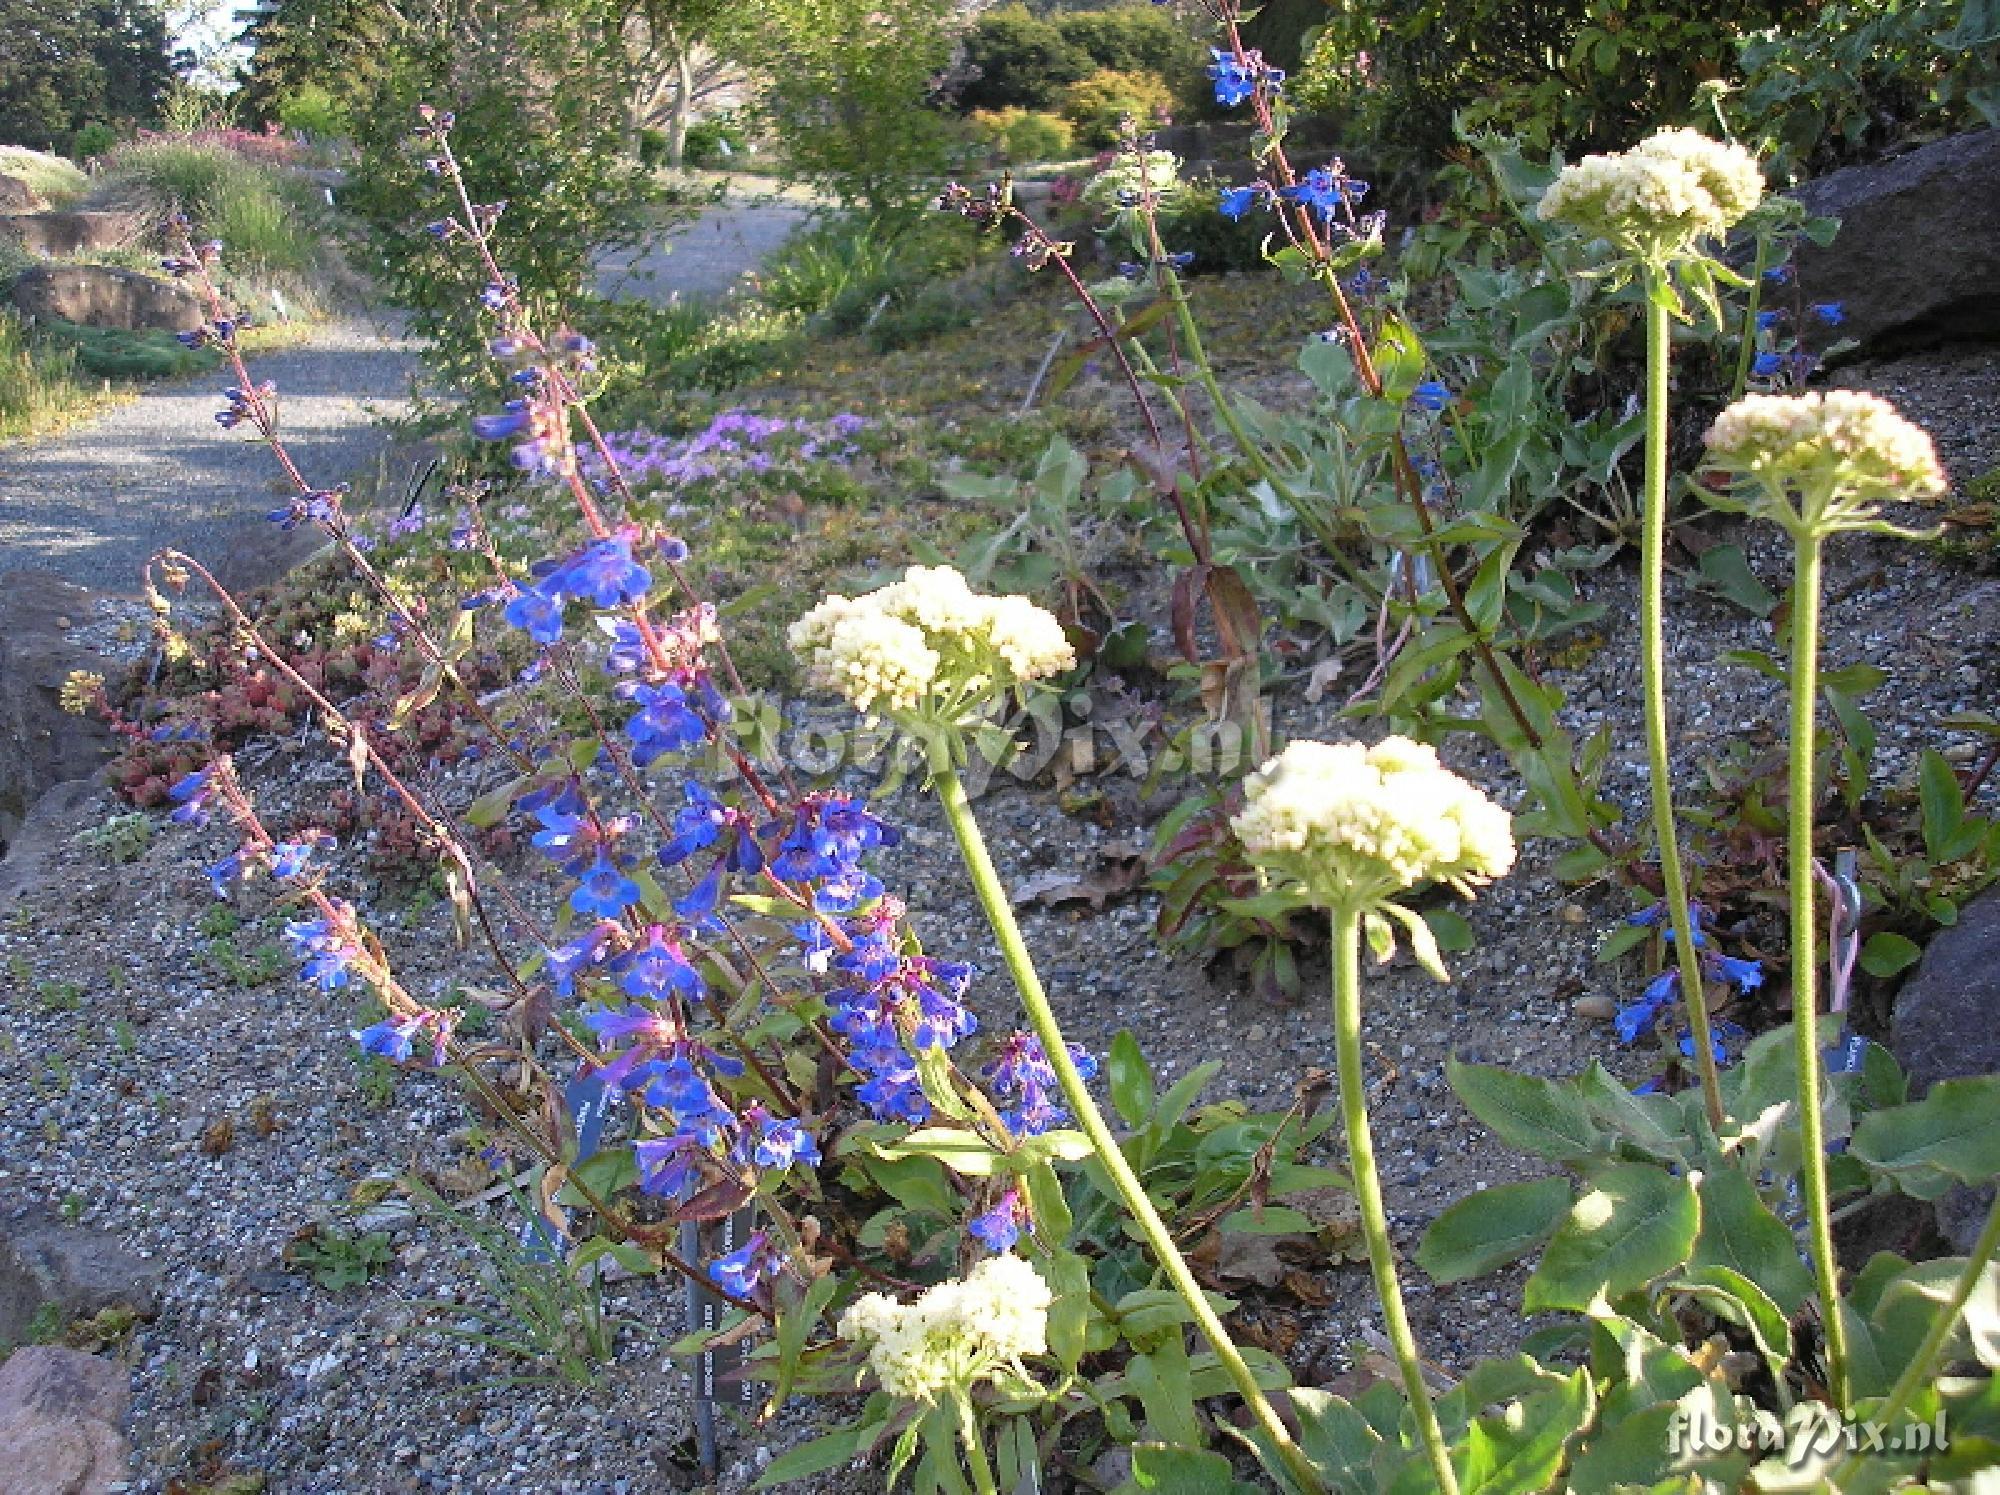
(725, 969)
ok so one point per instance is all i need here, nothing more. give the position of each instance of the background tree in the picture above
(538, 89)
(105, 62)
(673, 62)
(847, 88)
(342, 46)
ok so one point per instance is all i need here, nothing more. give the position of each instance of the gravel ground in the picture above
(114, 1093)
(706, 258)
(93, 503)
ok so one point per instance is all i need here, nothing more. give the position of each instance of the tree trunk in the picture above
(677, 124)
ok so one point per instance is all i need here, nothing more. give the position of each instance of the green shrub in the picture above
(1038, 137)
(1097, 104)
(1580, 74)
(847, 94)
(706, 139)
(843, 268)
(1017, 60)
(310, 109)
(553, 151)
(1137, 39)
(1862, 77)
(94, 139)
(50, 178)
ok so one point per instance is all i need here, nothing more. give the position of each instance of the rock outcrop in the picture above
(1917, 259)
(101, 296)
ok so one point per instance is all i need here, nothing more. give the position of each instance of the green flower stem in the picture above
(1746, 345)
(1653, 665)
(975, 1446)
(1805, 969)
(1918, 1372)
(1368, 1187)
(1042, 1018)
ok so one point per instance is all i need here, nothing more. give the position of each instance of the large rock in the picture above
(80, 1272)
(52, 235)
(1917, 259)
(41, 744)
(16, 196)
(100, 296)
(1944, 1028)
(62, 1419)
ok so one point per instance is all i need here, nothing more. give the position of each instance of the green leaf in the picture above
(1492, 1228)
(1272, 1219)
(1131, 1079)
(1953, 1130)
(1730, 1295)
(963, 1152)
(1887, 953)
(1169, 1469)
(829, 1452)
(1334, 1436)
(1518, 1451)
(1739, 1232)
(795, 1324)
(1450, 930)
(1727, 573)
(1399, 359)
(1634, 1223)
(1535, 1115)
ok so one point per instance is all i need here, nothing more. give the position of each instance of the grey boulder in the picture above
(1917, 259)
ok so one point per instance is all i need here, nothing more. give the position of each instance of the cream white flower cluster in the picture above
(1357, 825)
(957, 1333)
(928, 638)
(1662, 195)
(1842, 442)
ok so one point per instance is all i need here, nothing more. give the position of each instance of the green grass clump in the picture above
(39, 384)
(56, 181)
(262, 216)
(115, 353)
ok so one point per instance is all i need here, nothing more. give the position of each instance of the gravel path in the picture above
(92, 504)
(705, 258)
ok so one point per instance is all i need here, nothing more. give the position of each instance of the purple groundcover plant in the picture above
(735, 444)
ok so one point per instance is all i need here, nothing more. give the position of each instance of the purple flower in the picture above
(605, 573)
(1237, 201)
(537, 612)
(653, 969)
(667, 1164)
(512, 421)
(781, 1142)
(664, 723)
(192, 793)
(604, 891)
(1023, 1080)
(1430, 395)
(1000, 1227)
(1830, 312)
(739, 1273)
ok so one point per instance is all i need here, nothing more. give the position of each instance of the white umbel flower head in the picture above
(1659, 198)
(956, 1334)
(1857, 441)
(1354, 826)
(928, 647)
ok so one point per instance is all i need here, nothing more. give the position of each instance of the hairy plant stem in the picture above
(1653, 668)
(1746, 345)
(1804, 945)
(1368, 1188)
(1918, 1372)
(975, 1445)
(1042, 1018)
